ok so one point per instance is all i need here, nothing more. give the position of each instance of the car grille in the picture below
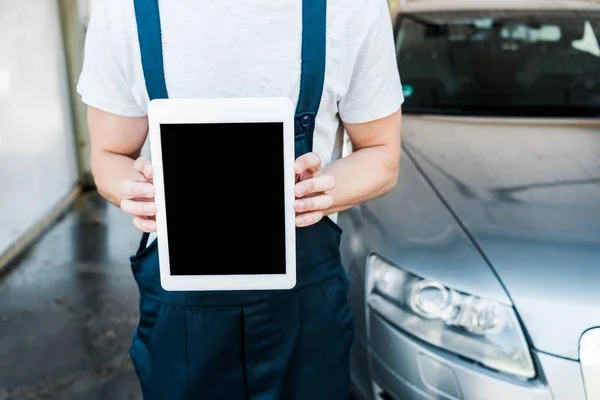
(589, 356)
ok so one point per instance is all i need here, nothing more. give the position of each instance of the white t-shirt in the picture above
(242, 48)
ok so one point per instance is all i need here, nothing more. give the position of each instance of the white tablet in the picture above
(224, 179)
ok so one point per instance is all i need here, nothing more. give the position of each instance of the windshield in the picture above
(508, 63)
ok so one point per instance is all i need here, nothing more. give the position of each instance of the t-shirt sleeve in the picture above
(103, 83)
(375, 90)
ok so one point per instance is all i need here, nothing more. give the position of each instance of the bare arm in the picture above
(115, 145)
(370, 171)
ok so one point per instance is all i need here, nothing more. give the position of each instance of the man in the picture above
(336, 60)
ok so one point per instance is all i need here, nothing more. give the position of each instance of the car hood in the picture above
(528, 193)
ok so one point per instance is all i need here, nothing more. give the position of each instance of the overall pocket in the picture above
(144, 266)
(318, 243)
(159, 351)
(335, 295)
(141, 348)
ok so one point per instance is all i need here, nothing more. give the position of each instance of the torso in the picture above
(257, 56)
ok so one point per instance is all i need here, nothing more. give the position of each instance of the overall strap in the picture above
(314, 26)
(147, 16)
(312, 78)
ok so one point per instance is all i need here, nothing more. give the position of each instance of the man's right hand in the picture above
(138, 196)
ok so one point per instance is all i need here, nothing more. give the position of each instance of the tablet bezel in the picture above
(223, 110)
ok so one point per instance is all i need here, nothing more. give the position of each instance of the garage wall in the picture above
(38, 164)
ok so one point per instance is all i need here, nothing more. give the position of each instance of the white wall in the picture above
(38, 165)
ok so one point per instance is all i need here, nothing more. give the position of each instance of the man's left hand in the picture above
(311, 190)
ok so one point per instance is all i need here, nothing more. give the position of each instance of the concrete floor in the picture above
(68, 308)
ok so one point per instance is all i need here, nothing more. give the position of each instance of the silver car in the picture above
(478, 276)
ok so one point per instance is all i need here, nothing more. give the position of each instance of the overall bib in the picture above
(256, 345)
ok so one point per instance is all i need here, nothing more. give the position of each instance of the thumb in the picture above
(144, 166)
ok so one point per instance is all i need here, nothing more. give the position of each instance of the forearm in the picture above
(115, 142)
(109, 170)
(363, 175)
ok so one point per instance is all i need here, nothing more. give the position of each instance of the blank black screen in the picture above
(224, 195)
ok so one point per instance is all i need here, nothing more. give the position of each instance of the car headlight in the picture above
(475, 328)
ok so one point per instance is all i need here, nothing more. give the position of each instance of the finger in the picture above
(144, 224)
(144, 167)
(308, 219)
(318, 184)
(315, 203)
(307, 162)
(139, 208)
(133, 189)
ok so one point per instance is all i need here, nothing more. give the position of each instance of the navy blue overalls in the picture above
(257, 345)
